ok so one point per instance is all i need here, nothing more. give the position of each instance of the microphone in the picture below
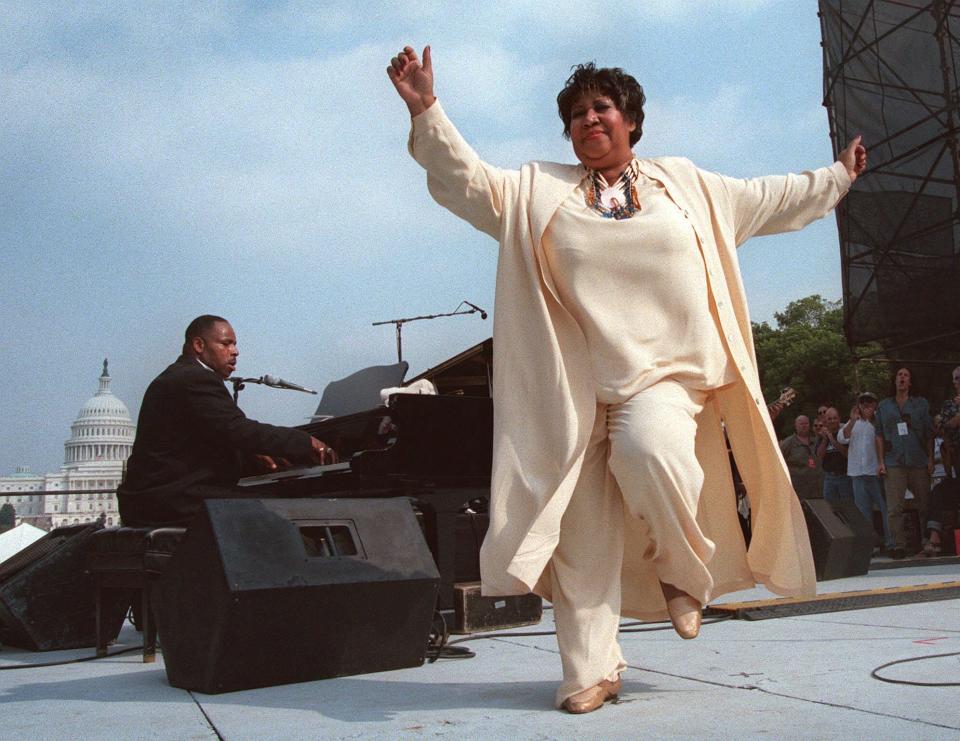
(279, 383)
(483, 314)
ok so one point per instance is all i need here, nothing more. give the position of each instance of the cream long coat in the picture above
(544, 399)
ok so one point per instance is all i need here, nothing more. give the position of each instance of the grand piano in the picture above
(436, 450)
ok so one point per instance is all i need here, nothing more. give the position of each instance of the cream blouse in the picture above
(638, 289)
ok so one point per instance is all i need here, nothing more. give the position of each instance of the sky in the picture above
(169, 159)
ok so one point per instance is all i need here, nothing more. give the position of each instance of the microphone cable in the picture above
(876, 672)
(70, 661)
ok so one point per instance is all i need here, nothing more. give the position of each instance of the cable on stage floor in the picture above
(71, 661)
(876, 672)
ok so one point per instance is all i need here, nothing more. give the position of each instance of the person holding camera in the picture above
(859, 434)
(832, 455)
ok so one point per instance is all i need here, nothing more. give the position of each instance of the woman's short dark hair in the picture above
(622, 88)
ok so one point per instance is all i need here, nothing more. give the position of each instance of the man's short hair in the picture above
(199, 326)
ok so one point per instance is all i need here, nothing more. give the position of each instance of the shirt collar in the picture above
(204, 365)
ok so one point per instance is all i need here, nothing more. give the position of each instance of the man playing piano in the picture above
(192, 438)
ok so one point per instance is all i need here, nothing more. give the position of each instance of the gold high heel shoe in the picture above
(592, 698)
(685, 612)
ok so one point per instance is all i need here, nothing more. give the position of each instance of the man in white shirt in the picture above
(862, 465)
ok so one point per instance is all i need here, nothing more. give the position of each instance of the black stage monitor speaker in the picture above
(863, 535)
(264, 592)
(47, 599)
(840, 537)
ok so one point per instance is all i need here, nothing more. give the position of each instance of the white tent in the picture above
(15, 540)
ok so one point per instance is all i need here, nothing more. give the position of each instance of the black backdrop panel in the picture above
(269, 591)
(899, 293)
(890, 75)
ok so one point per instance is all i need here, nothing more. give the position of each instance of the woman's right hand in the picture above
(413, 79)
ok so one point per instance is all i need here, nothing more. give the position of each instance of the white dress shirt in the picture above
(862, 453)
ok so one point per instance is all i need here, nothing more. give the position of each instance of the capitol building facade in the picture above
(84, 489)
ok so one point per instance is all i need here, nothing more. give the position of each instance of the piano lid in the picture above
(359, 391)
(468, 374)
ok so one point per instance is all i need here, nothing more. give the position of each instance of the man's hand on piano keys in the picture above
(269, 463)
(323, 453)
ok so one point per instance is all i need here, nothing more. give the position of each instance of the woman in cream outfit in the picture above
(622, 341)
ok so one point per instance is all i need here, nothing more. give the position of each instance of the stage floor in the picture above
(794, 677)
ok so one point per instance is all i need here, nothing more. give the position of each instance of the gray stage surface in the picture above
(796, 677)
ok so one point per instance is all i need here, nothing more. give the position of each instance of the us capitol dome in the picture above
(101, 439)
(102, 432)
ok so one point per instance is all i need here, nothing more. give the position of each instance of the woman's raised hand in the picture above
(854, 158)
(413, 79)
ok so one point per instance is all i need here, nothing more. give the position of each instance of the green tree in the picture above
(8, 517)
(807, 351)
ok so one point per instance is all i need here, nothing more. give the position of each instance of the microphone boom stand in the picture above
(400, 322)
(240, 383)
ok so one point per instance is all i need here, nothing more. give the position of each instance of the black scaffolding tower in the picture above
(890, 74)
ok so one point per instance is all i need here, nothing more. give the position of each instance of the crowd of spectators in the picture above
(888, 451)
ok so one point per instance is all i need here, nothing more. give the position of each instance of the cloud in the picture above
(161, 160)
(237, 154)
(734, 131)
(242, 157)
(709, 130)
(490, 81)
(678, 9)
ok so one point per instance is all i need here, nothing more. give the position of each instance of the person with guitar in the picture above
(785, 399)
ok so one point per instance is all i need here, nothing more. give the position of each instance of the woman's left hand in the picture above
(854, 158)
(413, 79)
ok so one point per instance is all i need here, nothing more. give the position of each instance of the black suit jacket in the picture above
(191, 438)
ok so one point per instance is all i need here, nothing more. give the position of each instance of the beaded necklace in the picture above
(616, 209)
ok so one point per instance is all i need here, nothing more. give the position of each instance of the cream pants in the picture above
(640, 462)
